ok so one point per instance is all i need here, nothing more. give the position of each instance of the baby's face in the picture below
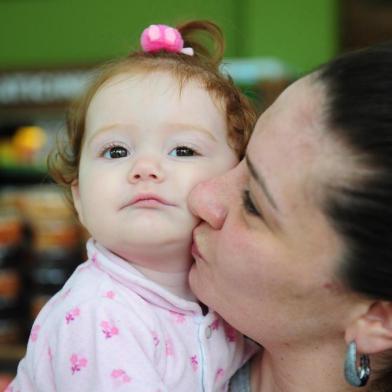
(146, 146)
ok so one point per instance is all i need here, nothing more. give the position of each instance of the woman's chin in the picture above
(194, 281)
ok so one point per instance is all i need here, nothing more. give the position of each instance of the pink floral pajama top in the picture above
(111, 329)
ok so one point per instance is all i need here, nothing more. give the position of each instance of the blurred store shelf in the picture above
(16, 175)
(251, 71)
(11, 352)
(261, 78)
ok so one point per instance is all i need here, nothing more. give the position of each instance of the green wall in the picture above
(303, 33)
(46, 33)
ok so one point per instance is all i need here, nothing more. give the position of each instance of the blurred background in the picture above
(47, 51)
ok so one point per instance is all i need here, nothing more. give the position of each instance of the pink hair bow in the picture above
(161, 37)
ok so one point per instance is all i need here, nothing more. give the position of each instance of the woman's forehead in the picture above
(291, 146)
(296, 114)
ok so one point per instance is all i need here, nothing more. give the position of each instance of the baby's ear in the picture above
(372, 331)
(76, 199)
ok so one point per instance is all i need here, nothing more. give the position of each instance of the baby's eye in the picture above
(183, 151)
(115, 152)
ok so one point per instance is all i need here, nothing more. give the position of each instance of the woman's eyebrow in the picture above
(260, 180)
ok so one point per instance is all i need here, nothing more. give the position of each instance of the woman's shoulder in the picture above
(240, 382)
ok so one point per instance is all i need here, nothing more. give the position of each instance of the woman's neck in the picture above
(317, 367)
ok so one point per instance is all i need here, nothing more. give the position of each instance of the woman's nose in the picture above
(146, 169)
(208, 200)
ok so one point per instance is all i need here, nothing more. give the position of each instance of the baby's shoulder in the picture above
(90, 296)
(73, 293)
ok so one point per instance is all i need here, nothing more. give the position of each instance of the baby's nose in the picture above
(146, 169)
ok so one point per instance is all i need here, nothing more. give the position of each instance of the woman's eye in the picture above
(115, 152)
(248, 204)
(183, 151)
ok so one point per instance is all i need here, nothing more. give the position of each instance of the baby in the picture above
(150, 128)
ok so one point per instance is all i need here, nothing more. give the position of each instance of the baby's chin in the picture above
(149, 251)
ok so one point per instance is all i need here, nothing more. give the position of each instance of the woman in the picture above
(295, 248)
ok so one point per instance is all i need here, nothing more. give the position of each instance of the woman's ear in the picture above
(76, 199)
(372, 331)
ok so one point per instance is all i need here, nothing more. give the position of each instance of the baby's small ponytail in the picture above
(191, 31)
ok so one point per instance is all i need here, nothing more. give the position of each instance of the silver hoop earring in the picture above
(356, 376)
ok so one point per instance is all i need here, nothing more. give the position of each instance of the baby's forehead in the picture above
(152, 100)
(171, 81)
(147, 87)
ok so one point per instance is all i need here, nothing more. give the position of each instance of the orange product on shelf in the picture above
(50, 218)
(5, 380)
(45, 202)
(10, 228)
(27, 141)
(37, 303)
(10, 284)
(10, 331)
(55, 233)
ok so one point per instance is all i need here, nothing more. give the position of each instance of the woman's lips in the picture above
(195, 251)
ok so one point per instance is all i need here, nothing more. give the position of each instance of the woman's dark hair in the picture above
(359, 114)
